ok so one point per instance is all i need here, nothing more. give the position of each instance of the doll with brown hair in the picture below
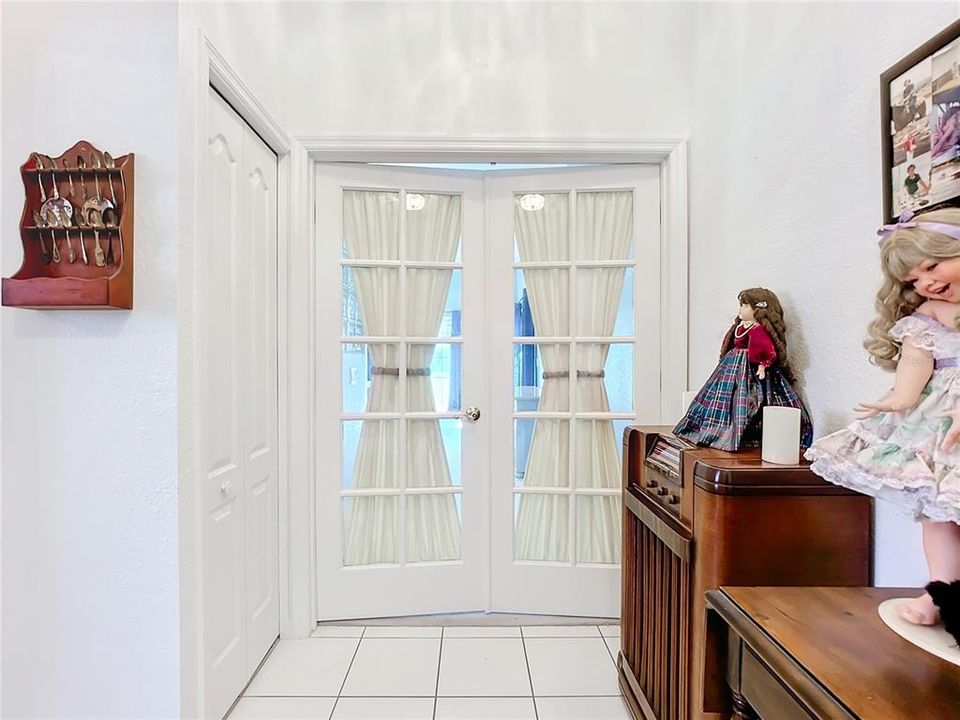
(753, 372)
(903, 448)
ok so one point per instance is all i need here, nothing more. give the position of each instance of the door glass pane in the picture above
(371, 301)
(371, 530)
(541, 528)
(433, 303)
(433, 527)
(541, 452)
(371, 377)
(598, 529)
(533, 391)
(434, 377)
(433, 227)
(616, 380)
(604, 301)
(547, 293)
(380, 458)
(371, 457)
(604, 225)
(597, 452)
(433, 453)
(541, 226)
(371, 225)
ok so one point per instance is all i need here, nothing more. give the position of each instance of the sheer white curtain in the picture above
(542, 529)
(371, 232)
(604, 231)
(433, 233)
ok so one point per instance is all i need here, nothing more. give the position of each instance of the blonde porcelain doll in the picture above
(903, 448)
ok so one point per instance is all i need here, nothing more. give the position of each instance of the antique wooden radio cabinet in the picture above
(696, 518)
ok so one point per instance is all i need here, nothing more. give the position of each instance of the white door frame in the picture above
(204, 66)
(300, 582)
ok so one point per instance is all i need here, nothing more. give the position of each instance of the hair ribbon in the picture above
(906, 220)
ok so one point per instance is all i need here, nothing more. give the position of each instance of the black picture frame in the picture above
(920, 127)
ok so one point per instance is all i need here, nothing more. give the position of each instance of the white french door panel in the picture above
(571, 587)
(399, 587)
(235, 302)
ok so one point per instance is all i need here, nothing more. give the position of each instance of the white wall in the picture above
(484, 69)
(90, 621)
(785, 193)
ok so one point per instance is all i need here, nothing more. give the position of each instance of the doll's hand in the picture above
(892, 403)
(953, 433)
(762, 372)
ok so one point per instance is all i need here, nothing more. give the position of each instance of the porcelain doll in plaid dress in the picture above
(904, 448)
(753, 372)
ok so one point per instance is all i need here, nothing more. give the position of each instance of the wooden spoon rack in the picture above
(41, 282)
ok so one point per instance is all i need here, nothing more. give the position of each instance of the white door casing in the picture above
(237, 427)
(572, 588)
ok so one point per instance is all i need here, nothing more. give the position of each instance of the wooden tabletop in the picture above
(838, 637)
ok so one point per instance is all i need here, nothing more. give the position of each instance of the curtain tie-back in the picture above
(551, 374)
(378, 370)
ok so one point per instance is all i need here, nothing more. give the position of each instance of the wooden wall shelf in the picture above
(43, 283)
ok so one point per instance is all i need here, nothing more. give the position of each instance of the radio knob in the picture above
(651, 483)
(662, 491)
(673, 500)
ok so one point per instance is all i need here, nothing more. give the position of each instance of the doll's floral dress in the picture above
(896, 456)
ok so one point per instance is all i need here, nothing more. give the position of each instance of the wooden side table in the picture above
(824, 653)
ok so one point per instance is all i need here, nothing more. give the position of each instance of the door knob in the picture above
(472, 413)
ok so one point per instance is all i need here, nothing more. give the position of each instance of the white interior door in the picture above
(402, 492)
(236, 440)
(553, 297)
(578, 250)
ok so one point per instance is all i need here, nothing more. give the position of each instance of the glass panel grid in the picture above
(592, 503)
(427, 268)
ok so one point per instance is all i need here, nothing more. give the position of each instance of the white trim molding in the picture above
(670, 154)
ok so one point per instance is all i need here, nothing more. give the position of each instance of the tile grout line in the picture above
(436, 687)
(526, 660)
(347, 674)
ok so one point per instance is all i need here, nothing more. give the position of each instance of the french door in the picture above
(445, 294)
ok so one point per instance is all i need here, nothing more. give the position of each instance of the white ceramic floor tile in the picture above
(481, 632)
(391, 708)
(613, 643)
(314, 666)
(483, 667)
(582, 708)
(610, 630)
(485, 709)
(344, 631)
(394, 667)
(403, 632)
(571, 666)
(282, 708)
(560, 631)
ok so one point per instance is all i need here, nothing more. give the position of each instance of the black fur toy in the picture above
(946, 596)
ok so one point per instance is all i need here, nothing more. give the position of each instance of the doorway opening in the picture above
(483, 338)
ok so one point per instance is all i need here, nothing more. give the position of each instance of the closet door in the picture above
(257, 326)
(235, 302)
